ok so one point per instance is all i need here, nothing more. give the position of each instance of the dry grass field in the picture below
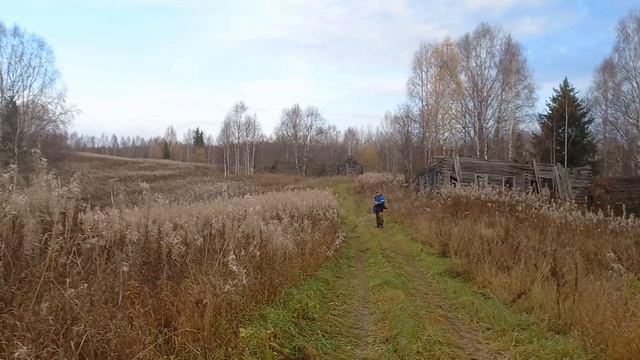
(104, 257)
(204, 180)
(108, 181)
(579, 271)
(146, 259)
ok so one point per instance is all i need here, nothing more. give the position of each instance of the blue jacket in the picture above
(379, 203)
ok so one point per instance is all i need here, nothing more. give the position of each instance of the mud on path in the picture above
(384, 295)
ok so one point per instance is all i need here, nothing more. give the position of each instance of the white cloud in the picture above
(349, 58)
(499, 6)
(528, 26)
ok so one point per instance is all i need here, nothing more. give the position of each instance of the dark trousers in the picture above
(379, 219)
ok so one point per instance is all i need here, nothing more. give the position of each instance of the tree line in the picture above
(615, 101)
(302, 137)
(474, 95)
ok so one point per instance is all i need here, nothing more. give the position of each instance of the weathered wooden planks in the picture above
(574, 183)
(621, 195)
(350, 167)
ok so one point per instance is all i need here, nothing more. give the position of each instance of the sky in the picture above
(134, 67)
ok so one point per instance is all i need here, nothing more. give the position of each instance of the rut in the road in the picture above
(362, 298)
(467, 336)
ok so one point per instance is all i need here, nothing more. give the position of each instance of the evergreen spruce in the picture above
(198, 138)
(166, 151)
(9, 113)
(581, 146)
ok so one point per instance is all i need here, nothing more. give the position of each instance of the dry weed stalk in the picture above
(161, 279)
(377, 181)
(579, 269)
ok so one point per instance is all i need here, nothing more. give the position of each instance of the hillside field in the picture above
(104, 257)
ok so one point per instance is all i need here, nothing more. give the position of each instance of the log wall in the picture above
(442, 171)
(619, 194)
(350, 168)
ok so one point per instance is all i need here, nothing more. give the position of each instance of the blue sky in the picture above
(137, 66)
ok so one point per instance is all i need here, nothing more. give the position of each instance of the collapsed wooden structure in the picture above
(461, 171)
(289, 167)
(349, 167)
(620, 195)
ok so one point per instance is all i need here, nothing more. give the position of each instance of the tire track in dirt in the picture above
(468, 336)
(362, 312)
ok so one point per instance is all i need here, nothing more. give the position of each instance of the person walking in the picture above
(379, 205)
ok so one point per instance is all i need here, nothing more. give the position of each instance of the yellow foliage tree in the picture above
(201, 155)
(368, 156)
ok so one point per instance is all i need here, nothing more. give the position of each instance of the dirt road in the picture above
(383, 295)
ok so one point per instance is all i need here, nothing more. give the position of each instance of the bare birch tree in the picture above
(289, 131)
(331, 138)
(403, 128)
(626, 100)
(516, 99)
(210, 141)
(171, 137)
(601, 99)
(29, 80)
(300, 130)
(432, 89)
(313, 128)
(497, 91)
(615, 99)
(235, 119)
(225, 139)
(351, 140)
(252, 134)
(385, 144)
(187, 140)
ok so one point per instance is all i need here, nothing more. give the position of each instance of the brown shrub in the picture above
(576, 268)
(156, 280)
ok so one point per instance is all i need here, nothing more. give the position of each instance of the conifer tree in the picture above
(198, 138)
(565, 107)
(166, 150)
(12, 144)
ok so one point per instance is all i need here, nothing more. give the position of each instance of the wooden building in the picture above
(350, 167)
(289, 167)
(460, 171)
(620, 195)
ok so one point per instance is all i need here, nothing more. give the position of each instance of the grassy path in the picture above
(385, 296)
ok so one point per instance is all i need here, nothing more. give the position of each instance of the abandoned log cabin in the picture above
(289, 167)
(620, 195)
(349, 167)
(454, 170)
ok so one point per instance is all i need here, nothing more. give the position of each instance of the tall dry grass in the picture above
(377, 181)
(157, 280)
(108, 181)
(578, 270)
